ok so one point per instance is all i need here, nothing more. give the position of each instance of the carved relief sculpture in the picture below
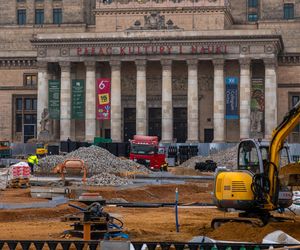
(154, 21)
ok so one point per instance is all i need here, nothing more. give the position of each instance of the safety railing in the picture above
(95, 245)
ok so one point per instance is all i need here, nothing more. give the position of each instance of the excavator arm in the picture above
(290, 171)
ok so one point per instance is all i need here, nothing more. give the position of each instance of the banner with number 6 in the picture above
(103, 99)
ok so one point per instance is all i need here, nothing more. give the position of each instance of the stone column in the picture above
(270, 96)
(245, 97)
(193, 102)
(167, 105)
(219, 101)
(116, 112)
(141, 98)
(42, 93)
(65, 101)
(90, 102)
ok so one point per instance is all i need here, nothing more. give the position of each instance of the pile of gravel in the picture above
(105, 179)
(227, 157)
(97, 160)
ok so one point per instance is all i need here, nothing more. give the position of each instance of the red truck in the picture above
(145, 150)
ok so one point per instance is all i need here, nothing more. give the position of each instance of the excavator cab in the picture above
(250, 157)
(253, 156)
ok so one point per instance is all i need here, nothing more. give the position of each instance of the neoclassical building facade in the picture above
(187, 71)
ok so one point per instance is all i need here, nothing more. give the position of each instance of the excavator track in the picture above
(217, 222)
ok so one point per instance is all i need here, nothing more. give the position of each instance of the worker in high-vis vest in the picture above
(32, 160)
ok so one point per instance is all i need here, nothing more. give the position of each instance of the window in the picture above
(34, 104)
(39, 16)
(25, 116)
(19, 123)
(29, 119)
(252, 17)
(21, 17)
(288, 11)
(57, 16)
(30, 79)
(252, 3)
(19, 105)
(28, 105)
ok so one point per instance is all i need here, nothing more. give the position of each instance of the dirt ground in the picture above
(149, 224)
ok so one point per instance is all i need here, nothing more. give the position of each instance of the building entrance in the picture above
(129, 123)
(155, 122)
(180, 124)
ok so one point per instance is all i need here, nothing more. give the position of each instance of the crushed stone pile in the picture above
(227, 157)
(98, 161)
(105, 179)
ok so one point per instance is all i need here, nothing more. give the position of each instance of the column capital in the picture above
(65, 66)
(115, 64)
(90, 65)
(270, 62)
(192, 63)
(166, 63)
(218, 63)
(245, 63)
(42, 66)
(140, 64)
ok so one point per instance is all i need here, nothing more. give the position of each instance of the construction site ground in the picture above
(147, 224)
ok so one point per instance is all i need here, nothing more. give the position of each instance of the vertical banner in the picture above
(54, 99)
(103, 99)
(78, 99)
(257, 106)
(232, 96)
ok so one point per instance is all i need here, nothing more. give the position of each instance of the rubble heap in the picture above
(227, 157)
(104, 179)
(100, 163)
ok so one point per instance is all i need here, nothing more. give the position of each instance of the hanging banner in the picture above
(257, 106)
(78, 99)
(232, 102)
(103, 99)
(54, 99)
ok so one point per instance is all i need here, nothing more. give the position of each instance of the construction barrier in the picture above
(124, 245)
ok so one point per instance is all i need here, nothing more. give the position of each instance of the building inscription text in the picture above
(151, 50)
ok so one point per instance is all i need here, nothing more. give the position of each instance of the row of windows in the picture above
(288, 11)
(39, 16)
(26, 104)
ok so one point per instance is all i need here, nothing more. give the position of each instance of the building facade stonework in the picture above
(187, 71)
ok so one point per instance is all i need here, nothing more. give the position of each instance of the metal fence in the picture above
(23, 149)
(125, 245)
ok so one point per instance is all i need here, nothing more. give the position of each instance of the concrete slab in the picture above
(114, 245)
(49, 204)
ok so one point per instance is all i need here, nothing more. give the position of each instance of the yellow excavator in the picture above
(264, 178)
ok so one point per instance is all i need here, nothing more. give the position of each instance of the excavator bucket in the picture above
(289, 175)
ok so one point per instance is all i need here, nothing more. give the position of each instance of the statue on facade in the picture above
(45, 122)
(257, 110)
